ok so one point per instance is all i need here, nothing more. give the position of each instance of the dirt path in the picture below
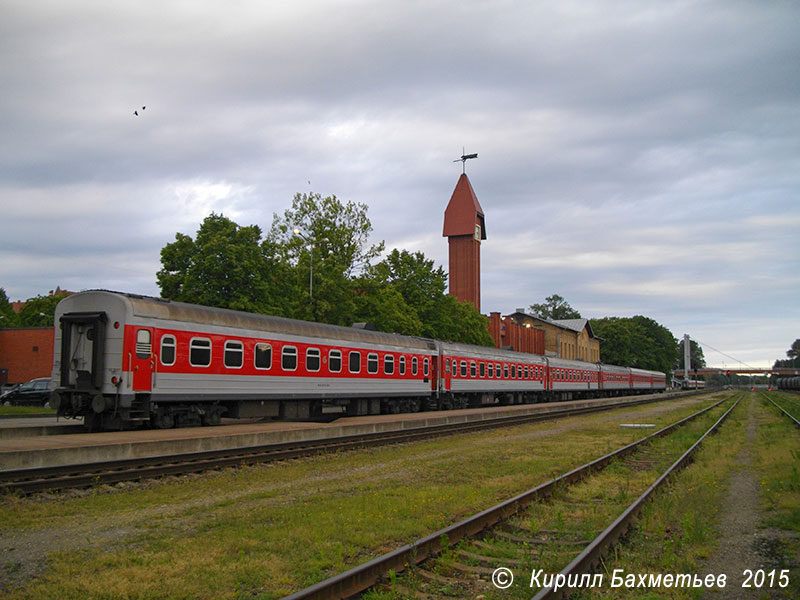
(742, 543)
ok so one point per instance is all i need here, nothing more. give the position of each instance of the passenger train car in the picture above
(123, 360)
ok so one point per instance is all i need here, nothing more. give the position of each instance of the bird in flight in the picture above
(136, 112)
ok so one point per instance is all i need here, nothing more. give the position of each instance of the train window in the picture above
(513, 372)
(483, 369)
(505, 371)
(372, 363)
(447, 365)
(519, 371)
(388, 364)
(289, 358)
(527, 373)
(426, 366)
(463, 368)
(143, 346)
(262, 356)
(335, 361)
(491, 370)
(168, 350)
(401, 365)
(354, 362)
(200, 352)
(414, 365)
(234, 354)
(312, 359)
(472, 369)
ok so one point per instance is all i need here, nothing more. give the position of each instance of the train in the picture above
(124, 360)
(789, 383)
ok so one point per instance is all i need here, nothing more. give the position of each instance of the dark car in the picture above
(36, 392)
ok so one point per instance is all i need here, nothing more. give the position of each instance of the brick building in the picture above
(25, 353)
(568, 338)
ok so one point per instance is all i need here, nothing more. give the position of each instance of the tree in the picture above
(8, 318)
(459, 321)
(40, 311)
(696, 358)
(793, 360)
(556, 308)
(335, 240)
(428, 310)
(223, 266)
(636, 342)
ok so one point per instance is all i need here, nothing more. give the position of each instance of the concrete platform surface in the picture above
(50, 450)
(38, 425)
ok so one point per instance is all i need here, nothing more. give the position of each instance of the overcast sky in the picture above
(634, 157)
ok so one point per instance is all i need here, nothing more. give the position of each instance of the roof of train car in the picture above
(491, 351)
(159, 308)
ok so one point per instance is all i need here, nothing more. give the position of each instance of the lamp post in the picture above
(311, 244)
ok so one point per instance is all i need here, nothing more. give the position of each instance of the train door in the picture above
(141, 360)
(446, 374)
(434, 374)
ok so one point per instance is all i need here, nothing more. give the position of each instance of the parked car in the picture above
(7, 389)
(35, 392)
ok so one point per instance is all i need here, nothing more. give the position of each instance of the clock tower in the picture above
(464, 229)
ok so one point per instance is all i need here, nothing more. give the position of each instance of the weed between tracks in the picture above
(265, 531)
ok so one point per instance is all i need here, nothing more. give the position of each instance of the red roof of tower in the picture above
(464, 211)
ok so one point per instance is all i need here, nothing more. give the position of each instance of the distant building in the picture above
(568, 338)
(25, 353)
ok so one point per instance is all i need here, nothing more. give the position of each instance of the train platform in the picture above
(36, 425)
(51, 450)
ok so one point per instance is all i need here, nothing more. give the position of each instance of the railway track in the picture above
(506, 536)
(789, 415)
(39, 479)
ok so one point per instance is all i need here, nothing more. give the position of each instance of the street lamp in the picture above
(311, 243)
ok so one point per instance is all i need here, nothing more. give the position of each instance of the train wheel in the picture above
(163, 420)
(211, 418)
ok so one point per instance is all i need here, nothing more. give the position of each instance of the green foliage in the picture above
(556, 308)
(40, 311)
(8, 318)
(794, 357)
(333, 240)
(636, 342)
(458, 321)
(223, 266)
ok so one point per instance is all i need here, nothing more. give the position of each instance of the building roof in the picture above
(463, 211)
(576, 325)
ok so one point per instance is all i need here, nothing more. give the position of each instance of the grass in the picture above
(25, 410)
(265, 531)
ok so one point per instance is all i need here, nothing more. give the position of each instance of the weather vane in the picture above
(464, 158)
